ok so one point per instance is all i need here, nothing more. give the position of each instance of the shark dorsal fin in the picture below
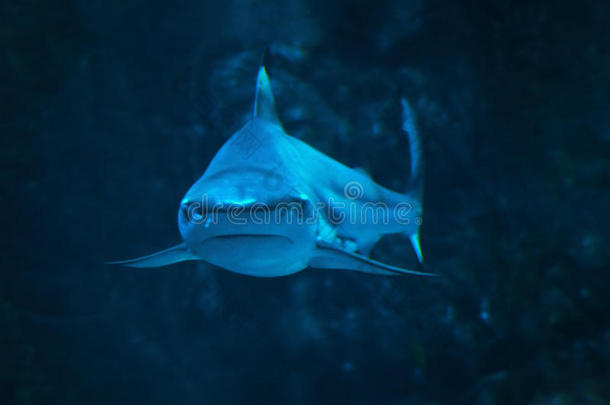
(264, 106)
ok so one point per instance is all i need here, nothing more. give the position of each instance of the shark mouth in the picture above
(249, 236)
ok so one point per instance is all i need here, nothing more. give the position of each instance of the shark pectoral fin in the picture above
(175, 254)
(328, 256)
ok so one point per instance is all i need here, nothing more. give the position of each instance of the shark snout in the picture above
(206, 218)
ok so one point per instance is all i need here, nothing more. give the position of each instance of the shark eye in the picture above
(193, 212)
(196, 215)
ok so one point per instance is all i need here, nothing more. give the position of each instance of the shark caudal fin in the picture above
(175, 254)
(416, 185)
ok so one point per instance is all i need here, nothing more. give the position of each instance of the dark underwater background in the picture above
(112, 109)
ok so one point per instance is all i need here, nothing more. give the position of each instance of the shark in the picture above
(271, 205)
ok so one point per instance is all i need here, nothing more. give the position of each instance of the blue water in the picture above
(112, 109)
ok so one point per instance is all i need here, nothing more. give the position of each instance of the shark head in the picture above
(234, 221)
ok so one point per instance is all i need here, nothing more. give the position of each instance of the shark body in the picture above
(271, 205)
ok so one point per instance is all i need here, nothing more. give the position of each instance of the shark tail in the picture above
(409, 125)
(416, 186)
